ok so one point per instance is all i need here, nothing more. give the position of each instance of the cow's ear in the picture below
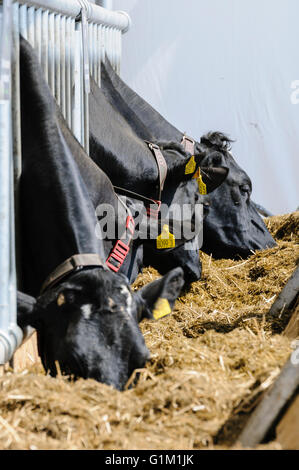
(181, 165)
(184, 169)
(156, 299)
(210, 178)
(26, 311)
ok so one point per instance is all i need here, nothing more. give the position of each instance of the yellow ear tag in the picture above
(190, 166)
(166, 239)
(162, 308)
(60, 299)
(202, 187)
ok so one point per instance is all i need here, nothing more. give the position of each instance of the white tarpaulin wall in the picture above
(225, 65)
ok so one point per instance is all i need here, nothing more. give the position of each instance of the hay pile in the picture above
(210, 361)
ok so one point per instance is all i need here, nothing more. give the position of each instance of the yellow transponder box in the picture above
(162, 308)
(166, 239)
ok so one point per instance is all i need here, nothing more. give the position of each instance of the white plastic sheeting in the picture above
(226, 65)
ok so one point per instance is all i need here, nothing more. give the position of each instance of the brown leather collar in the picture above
(77, 262)
(74, 263)
(188, 144)
(162, 165)
(152, 205)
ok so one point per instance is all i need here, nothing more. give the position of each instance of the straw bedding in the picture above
(210, 361)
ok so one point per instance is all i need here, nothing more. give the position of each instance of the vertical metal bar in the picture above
(85, 67)
(44, 47)
(69, 45)
(4, 212)
(23, 21)
(107, 42)
(95, 49)
(31, 25)
(77, 85)
(99, 52)
(16, 132)
(15, 332)
(10, 334)
(5, 154)
(119, 51)
(89, 47)
(86, 122)
(16, 110)
(111, 45)
(114, 47)
(92, 50)
(82, 93)
(62, 65)
(104, 43)
(57, 60)
(51, 52)
(38, 33)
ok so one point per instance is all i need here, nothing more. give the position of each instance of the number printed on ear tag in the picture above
(162, 308)
(190, 166)
(166, 239)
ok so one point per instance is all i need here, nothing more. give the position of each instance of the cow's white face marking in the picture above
(86, 310)
(127, 293)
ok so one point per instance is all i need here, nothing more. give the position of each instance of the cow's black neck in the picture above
(143, 118)
(115, 148)
(57, 215)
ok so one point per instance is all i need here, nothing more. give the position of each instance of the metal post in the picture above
(44, 45)
(38, 33)
(62, 65)
(10, 333)
(57, 60)
(76, 86)
(51, 52)
(68, 49)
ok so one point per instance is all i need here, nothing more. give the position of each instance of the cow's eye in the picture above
(68, 296)
(245, 189)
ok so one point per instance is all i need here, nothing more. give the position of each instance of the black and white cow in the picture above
(131, 165)
(232, 226)
(86, 316)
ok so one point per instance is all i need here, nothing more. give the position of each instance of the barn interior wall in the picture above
(224, 65)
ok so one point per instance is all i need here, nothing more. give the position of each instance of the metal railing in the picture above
(71, 38)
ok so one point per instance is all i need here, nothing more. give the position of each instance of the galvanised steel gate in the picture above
(71, 38)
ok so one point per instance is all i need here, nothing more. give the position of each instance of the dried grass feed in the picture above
(210, 361)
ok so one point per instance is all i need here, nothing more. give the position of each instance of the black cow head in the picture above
(232, 225)
(89, 323)
(182, 201)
